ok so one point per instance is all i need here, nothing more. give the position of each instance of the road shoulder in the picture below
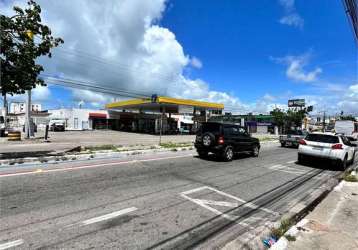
(333, 223)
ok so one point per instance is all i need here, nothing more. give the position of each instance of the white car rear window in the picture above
(322, 138)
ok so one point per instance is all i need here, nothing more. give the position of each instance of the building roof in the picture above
(170, 104)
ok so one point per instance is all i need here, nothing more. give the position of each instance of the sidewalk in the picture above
(333, 224)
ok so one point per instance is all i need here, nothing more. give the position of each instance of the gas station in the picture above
(161, 114)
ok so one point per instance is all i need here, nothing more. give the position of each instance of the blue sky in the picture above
(249, 55)
(235, 40)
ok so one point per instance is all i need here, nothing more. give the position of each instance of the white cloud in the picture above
(291, 17)
(353, 93)
(349, 103)
(292, 20)
(41, 93)
(196, 63)
(295, 67)
(120, 46)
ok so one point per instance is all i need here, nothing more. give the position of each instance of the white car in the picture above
(327, 146)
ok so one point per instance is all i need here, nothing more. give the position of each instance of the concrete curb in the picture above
(282, 243)
(296, 213)
(87, 156)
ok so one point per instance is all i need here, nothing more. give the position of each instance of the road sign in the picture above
(296, 103)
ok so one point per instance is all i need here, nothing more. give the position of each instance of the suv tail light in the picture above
(337, 146)
(302, 142)
(221, 140)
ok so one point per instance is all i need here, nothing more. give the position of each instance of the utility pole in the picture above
(5, 111)
(324, 121)
(28, 128)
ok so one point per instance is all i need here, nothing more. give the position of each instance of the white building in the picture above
(81, 119)
(20, 107)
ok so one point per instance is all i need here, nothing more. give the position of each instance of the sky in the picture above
(250, 55)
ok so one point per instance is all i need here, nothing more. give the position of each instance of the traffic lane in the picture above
(193, 223)
(58, 187)
(22, 194)
(191, 178)
(30, 168)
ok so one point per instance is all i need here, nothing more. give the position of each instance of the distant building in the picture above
(81, 119)
(261, 124)
(20, 107)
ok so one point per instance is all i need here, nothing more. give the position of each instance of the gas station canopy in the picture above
(167, 104)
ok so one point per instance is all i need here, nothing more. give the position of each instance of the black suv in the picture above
(225, 139)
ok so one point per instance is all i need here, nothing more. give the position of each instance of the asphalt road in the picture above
(163, 201)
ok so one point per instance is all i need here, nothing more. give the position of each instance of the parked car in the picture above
(224, 140)
(57, 125)
(334, 147)
(292, 138)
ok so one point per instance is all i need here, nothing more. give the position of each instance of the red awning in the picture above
(98, 115)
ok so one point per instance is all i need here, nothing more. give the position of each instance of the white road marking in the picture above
(92, 166)
(290, 162)
(287, 169)
(205, 203)
(11, 244)
(108, 216)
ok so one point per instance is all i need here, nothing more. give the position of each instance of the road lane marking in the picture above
(91, 166)
(108, 216)
(290, 162)
(287, 169)
(11, 244)
(205, 203)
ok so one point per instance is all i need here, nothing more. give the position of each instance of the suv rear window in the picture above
(295, 132)
(210, 127)
(322, 138)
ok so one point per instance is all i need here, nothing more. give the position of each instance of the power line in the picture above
(91, 86)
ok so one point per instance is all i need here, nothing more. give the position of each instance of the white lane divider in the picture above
(290, 162)
(11, 244)
(108, 216)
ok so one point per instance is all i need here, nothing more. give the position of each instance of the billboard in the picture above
(296, 103)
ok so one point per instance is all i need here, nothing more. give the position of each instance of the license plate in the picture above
(289, 143)
(317, 148)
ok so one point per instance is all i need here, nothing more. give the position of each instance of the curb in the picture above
(296, 213)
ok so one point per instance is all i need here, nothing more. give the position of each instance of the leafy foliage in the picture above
(23, 40)
(291, 118)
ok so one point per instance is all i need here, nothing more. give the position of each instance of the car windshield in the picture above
(322, 138)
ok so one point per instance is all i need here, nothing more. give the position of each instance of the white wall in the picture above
(76, 119)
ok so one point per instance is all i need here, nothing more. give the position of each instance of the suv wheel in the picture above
(202, 154)
(283, 144)
(208, 139)
(255, 151)
(228, 153)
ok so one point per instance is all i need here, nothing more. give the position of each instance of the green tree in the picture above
(23, 39)
(295, 117)
(279, 118)
(347, 118)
